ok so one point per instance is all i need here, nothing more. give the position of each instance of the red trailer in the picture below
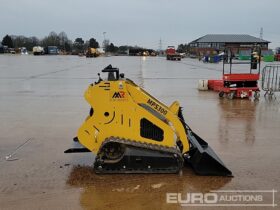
(238, 85)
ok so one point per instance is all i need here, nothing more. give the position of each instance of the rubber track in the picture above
(149, 146)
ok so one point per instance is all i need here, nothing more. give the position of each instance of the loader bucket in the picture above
(203, 159)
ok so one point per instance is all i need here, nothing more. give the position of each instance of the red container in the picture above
(215, 85)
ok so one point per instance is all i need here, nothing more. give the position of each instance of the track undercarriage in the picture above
(118, 155)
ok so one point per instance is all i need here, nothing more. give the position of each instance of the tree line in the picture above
(183, 48)
(62, 41)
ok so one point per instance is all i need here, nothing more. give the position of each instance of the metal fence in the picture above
(271, 79)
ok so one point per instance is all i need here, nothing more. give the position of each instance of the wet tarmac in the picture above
(41, 99)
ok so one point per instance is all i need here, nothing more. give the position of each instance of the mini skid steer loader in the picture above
(130, 131)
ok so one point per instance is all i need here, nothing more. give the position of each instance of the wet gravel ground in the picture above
(41, 98)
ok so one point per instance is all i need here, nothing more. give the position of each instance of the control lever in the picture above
(99, 79)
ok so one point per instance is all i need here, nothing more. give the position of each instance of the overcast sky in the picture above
(141, 22)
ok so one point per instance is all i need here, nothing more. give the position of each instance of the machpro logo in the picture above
(119, 94)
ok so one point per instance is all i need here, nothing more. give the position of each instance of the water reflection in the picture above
(131, 191)
(140, 74)
(237, 121)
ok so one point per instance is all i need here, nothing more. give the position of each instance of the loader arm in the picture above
(167, 114)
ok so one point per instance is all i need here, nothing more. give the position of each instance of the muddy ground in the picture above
(41, 99)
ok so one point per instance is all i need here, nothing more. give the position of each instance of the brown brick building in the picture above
(212, 43)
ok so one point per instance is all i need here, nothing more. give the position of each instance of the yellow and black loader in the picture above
(131, 131)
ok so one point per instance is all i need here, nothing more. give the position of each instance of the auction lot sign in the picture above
(238, 198)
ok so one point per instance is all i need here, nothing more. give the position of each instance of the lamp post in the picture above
(104, 41)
